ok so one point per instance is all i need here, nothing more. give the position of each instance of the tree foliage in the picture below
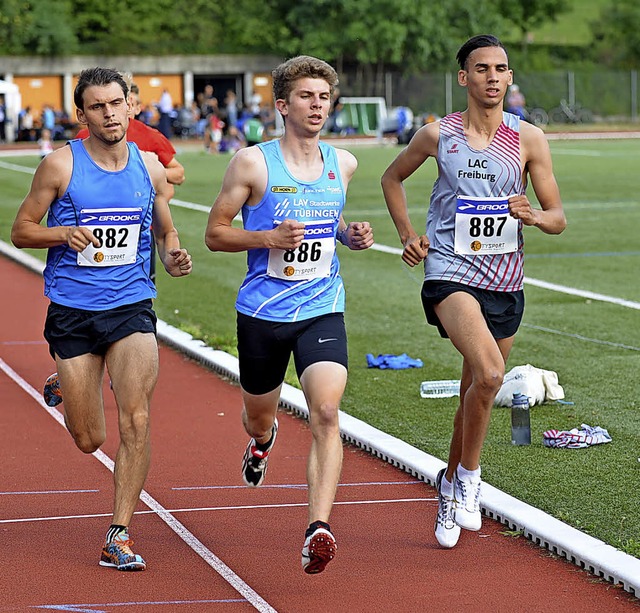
(371, 35)
(527, 15)
(617, 34)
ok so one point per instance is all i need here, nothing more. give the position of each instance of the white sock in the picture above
(468, 475)
(446, 487)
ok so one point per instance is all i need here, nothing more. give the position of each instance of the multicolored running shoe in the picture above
(52, 394)
(118, 554)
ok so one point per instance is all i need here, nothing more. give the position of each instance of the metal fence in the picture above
(610, 96)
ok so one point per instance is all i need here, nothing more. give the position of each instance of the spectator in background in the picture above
(3, 120)
(231, 107)
(516, 103)
(165, 108)
(253, 130)
(25, 121)
(48, 118)
(213, 133)
(232, 141)
(45, 143)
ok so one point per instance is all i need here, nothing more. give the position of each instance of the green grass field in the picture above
(572, 27)
(593, 345)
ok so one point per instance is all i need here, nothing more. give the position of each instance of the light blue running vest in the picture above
(91, 187)
(463, 171)
(317, 202)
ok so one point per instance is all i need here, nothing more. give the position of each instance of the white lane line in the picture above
(192, 541)
(35, 492)
(241, 507)
(580, 337)
(294, 486)
(103, 607)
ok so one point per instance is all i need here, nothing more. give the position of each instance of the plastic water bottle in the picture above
(440, 389)
(520, 422)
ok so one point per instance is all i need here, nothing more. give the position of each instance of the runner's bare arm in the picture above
(356, 235)
(176, 260)
(175, 172)
(537, 157)
(423, 145)
(244, 183)
(49, 182)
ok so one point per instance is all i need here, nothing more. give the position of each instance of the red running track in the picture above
(222, 547)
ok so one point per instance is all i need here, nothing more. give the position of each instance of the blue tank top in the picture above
(289, 286)
(491, 173)
(118, 207)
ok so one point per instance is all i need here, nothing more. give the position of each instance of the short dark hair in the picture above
(97, 76)
(298, 68)
(476, 42)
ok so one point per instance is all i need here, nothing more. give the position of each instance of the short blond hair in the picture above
(300, 67)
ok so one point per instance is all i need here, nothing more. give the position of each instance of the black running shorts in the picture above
(72, 332)
(502, 311)
(264, 348)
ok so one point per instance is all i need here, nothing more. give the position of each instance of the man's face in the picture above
(487, 76)
(308, 104)
(106, 112)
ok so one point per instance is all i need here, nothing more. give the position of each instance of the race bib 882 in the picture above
(118, 231)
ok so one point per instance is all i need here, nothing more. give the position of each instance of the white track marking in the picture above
(208, 556)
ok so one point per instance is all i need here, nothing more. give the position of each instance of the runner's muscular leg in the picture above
(81, 383)
(259, 413)
(483, 371)
(323, 384)
(133, 366)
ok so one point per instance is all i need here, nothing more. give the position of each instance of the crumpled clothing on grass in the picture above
(585, 436)
(396, 362)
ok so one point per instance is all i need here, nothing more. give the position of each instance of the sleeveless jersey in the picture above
(482, 176)
(117, 207)
(294, 285)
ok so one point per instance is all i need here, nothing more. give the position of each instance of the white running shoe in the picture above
(446, 529)
(467, 495)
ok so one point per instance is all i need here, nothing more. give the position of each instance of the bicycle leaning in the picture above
(570, 113)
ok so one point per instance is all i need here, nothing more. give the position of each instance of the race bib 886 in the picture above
(311, 260)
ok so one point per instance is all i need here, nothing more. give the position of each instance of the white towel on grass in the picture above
(536, 383)
(576, 438)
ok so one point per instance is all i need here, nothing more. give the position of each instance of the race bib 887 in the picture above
(484, 226)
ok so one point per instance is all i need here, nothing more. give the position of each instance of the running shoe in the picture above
(118, 554)
(446, 529)
(467, 496)
(319, 549)
(52, 394)
(254, 462)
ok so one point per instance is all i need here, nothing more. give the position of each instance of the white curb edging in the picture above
(581, 549)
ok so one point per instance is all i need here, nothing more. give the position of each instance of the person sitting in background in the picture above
(253, 130)
(516, 102)
(45, 143)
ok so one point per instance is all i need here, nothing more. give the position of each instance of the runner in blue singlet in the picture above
(101, 197)
(291, 193)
